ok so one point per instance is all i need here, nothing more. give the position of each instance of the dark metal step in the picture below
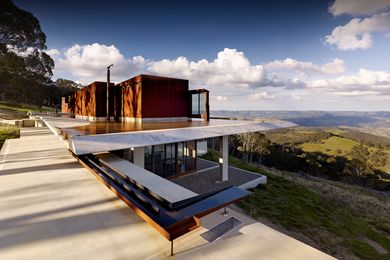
(220, 229)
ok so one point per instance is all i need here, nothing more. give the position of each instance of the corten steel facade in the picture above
(67, 105)
(90, 101)
(146, 96)
(143, 97)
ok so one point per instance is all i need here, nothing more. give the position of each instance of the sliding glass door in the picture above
(168, 160)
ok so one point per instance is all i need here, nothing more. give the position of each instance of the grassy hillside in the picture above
(339, 219)
(17, 111)
(330, 223)
(333, 145)
(330, 141)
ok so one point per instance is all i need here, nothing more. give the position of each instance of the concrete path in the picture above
(52, 207)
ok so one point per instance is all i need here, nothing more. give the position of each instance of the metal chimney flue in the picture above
(108, 92)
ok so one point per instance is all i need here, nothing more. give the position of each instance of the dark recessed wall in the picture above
(164, 97)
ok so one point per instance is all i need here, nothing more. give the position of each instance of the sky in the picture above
(251, 55)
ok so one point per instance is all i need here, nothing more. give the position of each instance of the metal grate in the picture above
(220, 229)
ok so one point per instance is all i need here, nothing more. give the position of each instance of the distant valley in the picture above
(377, 123)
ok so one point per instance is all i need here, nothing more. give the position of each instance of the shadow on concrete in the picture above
(55, 152)
(31, 189)
(28, 228)
(16, 221)
(45, 167)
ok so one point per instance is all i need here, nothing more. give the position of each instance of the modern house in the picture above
(148, 148)
(142, 98)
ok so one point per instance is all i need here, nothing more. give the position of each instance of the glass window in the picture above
(195, 104)
(202, 103)
(170, 160)
(181, 166)
(191, 156)
(201, 147)
(158, 160)
(148, 158)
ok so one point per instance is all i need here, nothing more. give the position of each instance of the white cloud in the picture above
(53, 53)
(230, 73)
(221, 98)
(365, 82)
(358, 7)
(88, 63)
(295, 97)
(260, 96)
(336, 66)
(356, 93)
(231, 67)
(357, 33)
(21, 53)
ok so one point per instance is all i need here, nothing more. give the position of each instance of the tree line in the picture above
(361, 165)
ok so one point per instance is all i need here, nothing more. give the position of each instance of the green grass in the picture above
(339, 146)
(22, 107)
(330, 223)
(332, 141)
(336, 131)
(296, 135)
(333, 145)
(7, 132)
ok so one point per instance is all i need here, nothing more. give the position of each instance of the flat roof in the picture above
(109, 136)
(105, 127)
(160, 187)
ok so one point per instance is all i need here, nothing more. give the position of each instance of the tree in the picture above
(253, 144)
(25, 69)
(67, 84)
(245, 144)
(378, 158)
(19, 29)
(261, 146)
(360, 164)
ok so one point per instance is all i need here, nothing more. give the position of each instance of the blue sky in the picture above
(250, 54)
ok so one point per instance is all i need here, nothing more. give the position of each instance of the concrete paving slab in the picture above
(52, 207)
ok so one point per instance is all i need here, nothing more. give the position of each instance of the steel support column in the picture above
(139, 157)
(224, 157)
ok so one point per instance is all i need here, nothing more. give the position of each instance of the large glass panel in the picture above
(190, 155)
(148, 158)
(159, 160)
(195, 104)
(202, 103)
(181, 166)
(201, 147)
(170, 160)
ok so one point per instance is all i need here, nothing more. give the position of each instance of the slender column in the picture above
(224, 157)
(139, 156)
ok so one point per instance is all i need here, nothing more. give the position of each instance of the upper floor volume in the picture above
(141, 98)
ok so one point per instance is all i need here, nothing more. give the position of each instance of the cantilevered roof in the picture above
(109, 136)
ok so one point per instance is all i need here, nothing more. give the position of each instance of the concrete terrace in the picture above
(52, 207)
(206, 179)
